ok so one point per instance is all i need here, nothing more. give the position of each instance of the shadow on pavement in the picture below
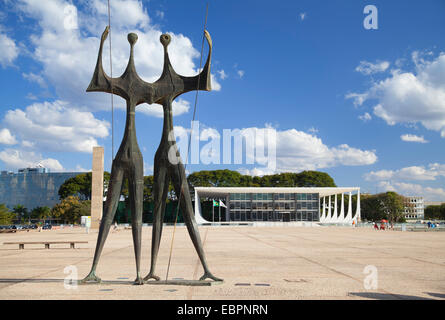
(387, 296)
(436, 295)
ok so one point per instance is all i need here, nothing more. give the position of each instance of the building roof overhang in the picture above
(223, 191)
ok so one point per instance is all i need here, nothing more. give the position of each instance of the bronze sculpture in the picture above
(128, 162)
(168, 164)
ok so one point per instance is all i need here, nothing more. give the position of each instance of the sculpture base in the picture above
(185, 282)
(181, 282)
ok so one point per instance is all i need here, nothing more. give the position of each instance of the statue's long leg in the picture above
(178, 178)
(113, 195)
(136, 194)
(160, 192)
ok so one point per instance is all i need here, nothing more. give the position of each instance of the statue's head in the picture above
(132, 38)
(165, 39)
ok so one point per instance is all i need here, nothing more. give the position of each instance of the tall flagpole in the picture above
(219, 211)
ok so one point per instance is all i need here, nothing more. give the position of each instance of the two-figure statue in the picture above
(128, 163)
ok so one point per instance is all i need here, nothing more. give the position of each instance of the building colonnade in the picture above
(331, 215)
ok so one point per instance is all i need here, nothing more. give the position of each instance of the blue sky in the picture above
(365, 106)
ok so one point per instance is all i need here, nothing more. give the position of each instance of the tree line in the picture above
(389, 206)
(23, 215)
(435, 212)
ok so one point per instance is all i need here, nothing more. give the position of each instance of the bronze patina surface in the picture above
(168, 164)
(128, 163)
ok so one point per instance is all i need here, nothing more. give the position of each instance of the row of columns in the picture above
(328, 216)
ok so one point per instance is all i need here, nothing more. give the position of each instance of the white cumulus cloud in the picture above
(412, 189)
(8, 50)
(432, 172)
(179, 107)
(368, 68)
(365, 117)
(56, 127)
(298, 150)
(410, 97)
(413, 138)
(6, 137)
(15, 159)
(222, 74)
(294, 150)
(400, 180)
(35, 78)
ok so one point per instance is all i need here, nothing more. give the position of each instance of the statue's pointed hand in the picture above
(105, 34)
(208, 37)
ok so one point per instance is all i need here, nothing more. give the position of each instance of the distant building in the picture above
(32, 187)
(414, 208)
(248, 204)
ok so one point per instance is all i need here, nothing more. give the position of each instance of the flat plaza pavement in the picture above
(255, 262)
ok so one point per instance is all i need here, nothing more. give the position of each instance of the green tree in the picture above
(71, 209)
(435, 212)
(393, 206)
(314, 179)
(40, 213)
(279, 180)
(217, 178)
(302, 179)
(370, 208)
(6, 216)
(229, 178)
(80, 186)
(389, 205)
(442, 211)
(148, 188)
(21, 212)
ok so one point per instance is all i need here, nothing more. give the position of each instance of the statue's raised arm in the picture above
(204, 78)
(101, 82)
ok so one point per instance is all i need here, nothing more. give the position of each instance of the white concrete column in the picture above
(328, 218)
(349, 215)
(358, 211)
(198, 216)
(341, 219)
(335, 216)
(228, 208)
(323, 215)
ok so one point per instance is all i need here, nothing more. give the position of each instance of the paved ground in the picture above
(256, 263)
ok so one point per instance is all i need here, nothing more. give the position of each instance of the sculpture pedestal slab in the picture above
(190, 283)
(184, 283)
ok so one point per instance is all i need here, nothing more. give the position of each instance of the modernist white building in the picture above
(414, 207)
(282, 204)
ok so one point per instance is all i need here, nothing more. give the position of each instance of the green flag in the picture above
(215, 203)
